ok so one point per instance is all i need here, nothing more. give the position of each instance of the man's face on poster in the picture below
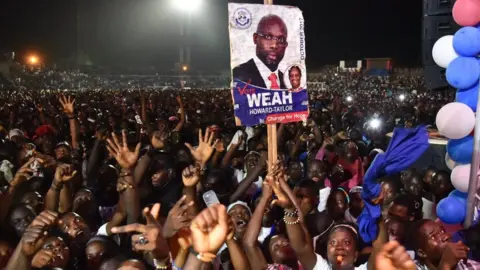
(271, 41)
(295, 77)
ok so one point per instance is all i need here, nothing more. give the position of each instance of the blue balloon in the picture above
(463, 72)
(468, 97)
(451, 211)
(462, 196)
(466, 41)
(461, 150)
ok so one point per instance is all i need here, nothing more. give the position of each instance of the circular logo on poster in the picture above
(242, 18)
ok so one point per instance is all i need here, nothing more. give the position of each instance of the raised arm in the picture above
(68, 109)
(180, 124)
(127, 159)
(53, 200)
(253, 252)
(252, 176)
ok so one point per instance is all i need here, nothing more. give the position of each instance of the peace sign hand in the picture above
(125, 158)
(177, 218)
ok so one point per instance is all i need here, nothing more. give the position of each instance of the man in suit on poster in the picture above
(271, 42)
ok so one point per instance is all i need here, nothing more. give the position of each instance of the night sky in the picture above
(139, 33)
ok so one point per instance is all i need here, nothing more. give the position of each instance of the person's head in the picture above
(317, 171)
(60, 250)
(351, 151)
(221, 181)
(441, 185)
(295, 172)
(356, 201)
(251, 160)
(277, 249)
(413, 185)
(429, 173)
(240, 214)
(161, 170)
(307, 195)
(75, 227)
(20, 218)
(295, 76)
(337, 203)
(397, 230)
(63, 152)
(429, 240)
(338, 175)
(132, 264)
(406, 208)
(390, 190)
(34, 200)
(343, 243)
(98, 249)
(271, 41)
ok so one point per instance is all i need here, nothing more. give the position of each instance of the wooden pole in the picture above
(271, 130)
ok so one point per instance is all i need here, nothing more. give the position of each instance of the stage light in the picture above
(375, 123)
(33, 60)
(401, 97)
(186, 5)
(349, 99)
(185, 68)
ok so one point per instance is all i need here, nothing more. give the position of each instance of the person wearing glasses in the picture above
(271, 42)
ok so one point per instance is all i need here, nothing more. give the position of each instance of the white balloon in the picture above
(443, 52)
(455, 120)
(450, 162)
(461, 177)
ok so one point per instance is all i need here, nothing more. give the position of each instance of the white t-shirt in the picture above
(323, 264)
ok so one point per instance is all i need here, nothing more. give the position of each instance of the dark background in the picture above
(145, 33)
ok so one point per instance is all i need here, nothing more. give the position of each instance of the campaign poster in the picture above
(269, 77)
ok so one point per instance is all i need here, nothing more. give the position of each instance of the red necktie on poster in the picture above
(273, 81)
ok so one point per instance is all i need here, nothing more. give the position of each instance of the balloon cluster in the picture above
(459, 54)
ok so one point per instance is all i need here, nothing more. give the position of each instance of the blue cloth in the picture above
(405, 147)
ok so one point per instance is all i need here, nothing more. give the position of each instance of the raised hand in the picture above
(150, 237)
(24, 173)
(178, 218)
(158, 139)
(125, 158)
(184, 238)
(64, 173)
(393, 256)
(43, 258)
(276, 180)
(452, 254)
(33, 239)
(191, 176)
(209, 229)
(46, 219)
(67, 104)
(205, 148)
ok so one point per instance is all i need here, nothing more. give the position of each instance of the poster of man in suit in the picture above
(267, 45)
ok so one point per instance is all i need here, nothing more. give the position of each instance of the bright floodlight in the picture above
(186, 5)
(33, 60)
(349, 99)
(401, 97)
(375, 123)
(185, 68)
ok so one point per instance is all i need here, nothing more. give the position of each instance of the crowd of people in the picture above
(146, 179)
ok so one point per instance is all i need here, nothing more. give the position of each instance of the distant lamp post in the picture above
(185, 9)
